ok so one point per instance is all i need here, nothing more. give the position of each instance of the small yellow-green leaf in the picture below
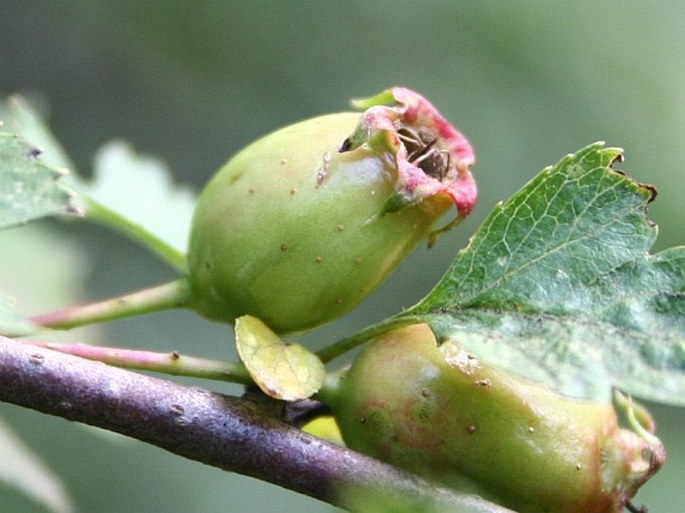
(282, 369)
(324, 427)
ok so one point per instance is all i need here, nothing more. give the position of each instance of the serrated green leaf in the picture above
(29, 188)
(21, 118)
(558, 285)
(282, 370)
(23, 470)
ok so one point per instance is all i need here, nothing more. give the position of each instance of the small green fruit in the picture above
(440, 412)
(300, 226)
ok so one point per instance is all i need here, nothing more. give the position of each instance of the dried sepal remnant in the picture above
(432, 157)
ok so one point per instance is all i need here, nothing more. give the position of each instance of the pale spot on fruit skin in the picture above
(460, 359)
(322, 172)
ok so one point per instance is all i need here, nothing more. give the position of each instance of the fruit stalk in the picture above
(170, 295)
(174, 363)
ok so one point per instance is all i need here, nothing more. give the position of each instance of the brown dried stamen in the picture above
(421, 152)
(435, 163)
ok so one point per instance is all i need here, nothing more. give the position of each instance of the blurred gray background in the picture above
(193, 82)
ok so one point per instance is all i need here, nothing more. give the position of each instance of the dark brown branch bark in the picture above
(226, 432)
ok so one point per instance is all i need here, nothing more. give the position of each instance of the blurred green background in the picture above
(192, 82)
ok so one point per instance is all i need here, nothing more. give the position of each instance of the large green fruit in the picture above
(440, 412)
(300, 226)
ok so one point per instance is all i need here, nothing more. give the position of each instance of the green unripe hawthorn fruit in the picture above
(440, 412)
(301, 225)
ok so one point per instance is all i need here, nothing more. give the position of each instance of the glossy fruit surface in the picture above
(300, 226)
(440, 412)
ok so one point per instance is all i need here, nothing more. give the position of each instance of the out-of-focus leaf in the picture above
(29, 188)
(283, 370)
(558, 284)
(130, 193)
(23, 470)
(12, 323)
(140, 188)
(53, 276)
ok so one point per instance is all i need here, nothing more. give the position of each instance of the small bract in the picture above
(300, 226)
